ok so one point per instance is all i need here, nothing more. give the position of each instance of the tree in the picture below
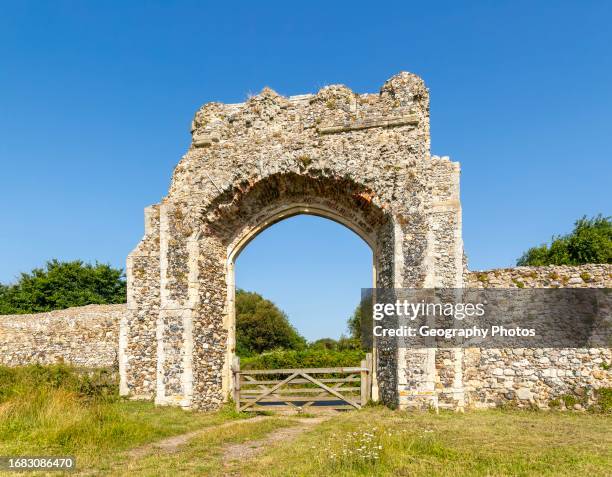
(5, 307)
(341, 344)
(354, 323)
(62, 285)
(324, 343)
(360, 323)
(589, 242)
(262, 326)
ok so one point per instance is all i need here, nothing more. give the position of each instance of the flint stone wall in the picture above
(84, 336)
(88, 336)
(537, 377)
(361, 159)
(552, 276)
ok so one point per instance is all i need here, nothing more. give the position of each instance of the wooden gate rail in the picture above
(252, 393)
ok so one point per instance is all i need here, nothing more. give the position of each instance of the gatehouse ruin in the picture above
(362, 160)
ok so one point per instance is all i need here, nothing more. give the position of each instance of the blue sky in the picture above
(96, 99)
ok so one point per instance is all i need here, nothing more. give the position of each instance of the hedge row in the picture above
(308, 358)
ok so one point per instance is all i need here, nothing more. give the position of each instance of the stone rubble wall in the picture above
(84, 336)
(552, 276)
(537, 377)
(138, 349)
(88, 336)
(361, 159)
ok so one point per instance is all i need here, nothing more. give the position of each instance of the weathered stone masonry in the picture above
(362, 160)
(536, 377)
(84, 336)
(87, 336)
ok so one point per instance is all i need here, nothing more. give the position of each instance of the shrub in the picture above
(61, 285)
(342, 344)
(589, 242)
(604, 399)
(569, 400)
(308, 358)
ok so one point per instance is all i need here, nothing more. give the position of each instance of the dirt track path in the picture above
(172, 444)
(248, 449)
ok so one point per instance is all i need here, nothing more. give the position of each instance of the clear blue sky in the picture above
(96, 99)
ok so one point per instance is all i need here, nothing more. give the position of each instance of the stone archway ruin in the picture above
(362, 160)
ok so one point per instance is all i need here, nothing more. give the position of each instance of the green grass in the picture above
(203, 455)
(380, 442)
(58, 410)
(63, 411)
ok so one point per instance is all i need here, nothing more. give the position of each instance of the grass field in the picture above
(51, 411)
(378, 441)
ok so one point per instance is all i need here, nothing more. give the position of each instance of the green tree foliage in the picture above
(262, 326)
(330, 344)
(360, 322)
(324, 343)
(62, 285)
(354, 323)
(4, 305)
(589, 242)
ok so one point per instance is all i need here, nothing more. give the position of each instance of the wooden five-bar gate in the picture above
(298, 389)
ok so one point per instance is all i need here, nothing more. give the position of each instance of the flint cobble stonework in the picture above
(360, 159)
(364, 161)
(88, 336)
(537, 377)
(552, 276)
(84, 336)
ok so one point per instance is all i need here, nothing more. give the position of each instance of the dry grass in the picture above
(51, 412)
(45, 411)
(203, 455)
(380, 442)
